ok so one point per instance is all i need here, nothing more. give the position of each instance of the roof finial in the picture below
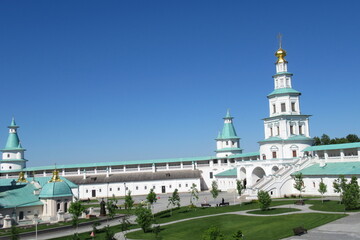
(279, 36)
(22, 178)
(55, 177)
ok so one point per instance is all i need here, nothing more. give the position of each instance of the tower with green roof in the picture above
(286, 129)
(13, 153)
(227, 142)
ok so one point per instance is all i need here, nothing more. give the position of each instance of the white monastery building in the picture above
(286, 149)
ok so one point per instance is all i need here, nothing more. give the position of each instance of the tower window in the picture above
(211, 175)
(264, 157)
(271, 132)
(274, 154)
(8, 155)
(294, 153)
(300, 130)
(293, 106)
(283, 107)
(291, 130)
(278, 130)
(274, 108)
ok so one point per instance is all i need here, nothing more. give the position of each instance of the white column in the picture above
(167, 166)
(193, 165)
(342, 154)
(326, 155)
(44, 173)
(95, 170)
(78, 171)
(153, 167)
(110, 169)
(139, 168)
(124, 168)
(181, 165)
(358, 152)
(63, 172)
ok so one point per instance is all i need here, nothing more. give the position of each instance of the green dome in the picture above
(55, 189)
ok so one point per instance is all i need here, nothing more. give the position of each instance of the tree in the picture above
(325, 139)
(339, 186)
(151, 198)
(14, 232)
(317, 141)
(352, 138)
(125, 224)
(299, 183)
(322, 189)
(174, 200)
(351, 194)
(213, 233)
(194, 194)
(239, 187)
(109, 235)
(129, 202)
(143, 218)
(76, 209)
(214, 190)
(238, 235)
(111, 207)
(264, 200)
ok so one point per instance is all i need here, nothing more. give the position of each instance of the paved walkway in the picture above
(353, 231)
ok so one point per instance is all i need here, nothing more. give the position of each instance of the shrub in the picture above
(264, 200)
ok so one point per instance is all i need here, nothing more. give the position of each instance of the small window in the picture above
(211, 175)
(10, 167)
(278, 130)
(294, 153)
(271, 132)
(179, 185)
(215, 161)
(169, 186)
(291, 130)
(293, 106)
(86, 191)
(300, 130)
(8, 155)
(225, 160)
(126, 188)
(145, 187)
(137, 188)
(110, 189)
(100, 190)
(154, 187)
(118, 189)
(283, 107)
(264, 157)
(274, 154)
(274, 108)
(186, 185)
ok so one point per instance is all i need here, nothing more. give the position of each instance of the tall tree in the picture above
(174, 200)
(351, 194)
(339, 186)
(317, 141)
(322, 190)
(151, 198)
(214, 190)
(129, 202)
(194, 194)
(239, 187)
(325, 139)
(111, 207)
(353, 138)
(213, 233)
(76, 209)
(299, 183)
(143, 218)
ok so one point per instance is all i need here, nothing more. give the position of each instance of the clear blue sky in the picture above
(92, 81)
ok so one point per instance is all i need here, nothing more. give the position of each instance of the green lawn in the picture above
(253, 227)
(274, 211)
(328, 206)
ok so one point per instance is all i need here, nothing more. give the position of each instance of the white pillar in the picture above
(139, 168)
(167, 166)
(7, 222)
(44, 173)
(326, 155)
(95, 170)
(153, 167)
(124, 168)
(193, 165)
(342, 154)
(110, 169)
(63, 172)
(79, 171)
(181, 165)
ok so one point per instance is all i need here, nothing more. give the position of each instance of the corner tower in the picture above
(286, 129)
(227, 142)
(13, 153)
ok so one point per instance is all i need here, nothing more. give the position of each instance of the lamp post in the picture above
(36, 223)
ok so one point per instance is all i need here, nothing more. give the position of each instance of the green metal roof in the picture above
(228, 116)
(55, 189)
(13, 142)
(242, 155)
(292, 138)
(13, 124)
(299, 137)
(227, 173)
(282, 73)
(283, 91)
(18, 195)
(332, 147)
(272, 139)
(228, 149)
(228, 132)
(336, 168)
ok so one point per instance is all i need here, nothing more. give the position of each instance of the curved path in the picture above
(303, 208)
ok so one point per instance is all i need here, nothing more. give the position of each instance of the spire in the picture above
(13, 141)
(228, 131)
(280, 53)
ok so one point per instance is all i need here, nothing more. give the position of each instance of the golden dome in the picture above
(280, 54)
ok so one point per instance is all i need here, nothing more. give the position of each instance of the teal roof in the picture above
(332, 147)
(283, 91)
(55, 189)
(336, 168)
(228, 131)
(14, 196)
(291, 138)
(228, 149)
(12, 142)
(41, 180)
(242, 155)
(106, 164)
(227, 173)
(282, 73)
(228, 116)
(13, 123)
(298, 137)
(272, 139)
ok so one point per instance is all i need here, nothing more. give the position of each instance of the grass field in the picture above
(329, 206)
(274, 211)
(253, 227)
